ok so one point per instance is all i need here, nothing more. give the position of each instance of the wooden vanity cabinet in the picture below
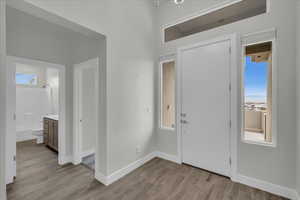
(51, 133)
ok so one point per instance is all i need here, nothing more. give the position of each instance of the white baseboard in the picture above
(107, 180)
(62, 160)
(101, 178)
(129, 168)
(87, 153)
(252, 182)
(24, 136)
(168, 157)
(9, 180)
(268, 187)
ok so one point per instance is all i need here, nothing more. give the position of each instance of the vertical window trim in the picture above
(274, 88)
(160, 113)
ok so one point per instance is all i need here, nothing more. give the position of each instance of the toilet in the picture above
(38, 133)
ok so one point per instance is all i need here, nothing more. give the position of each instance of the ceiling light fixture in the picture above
(178, 1)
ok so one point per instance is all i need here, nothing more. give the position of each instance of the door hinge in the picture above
(14, 117)
(230, 123)
(230, 50)
(14, 158)
(230, 161)
(229, 86)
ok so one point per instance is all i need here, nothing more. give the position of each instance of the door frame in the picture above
(77, 136)
(62, 158)
(234, 102)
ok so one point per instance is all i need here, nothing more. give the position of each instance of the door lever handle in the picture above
(183, 121)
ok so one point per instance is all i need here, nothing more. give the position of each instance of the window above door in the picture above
(220, 15)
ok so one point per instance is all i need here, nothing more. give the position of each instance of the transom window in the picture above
(26, 79)
(224, 15)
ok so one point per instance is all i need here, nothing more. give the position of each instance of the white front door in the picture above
(205, 99)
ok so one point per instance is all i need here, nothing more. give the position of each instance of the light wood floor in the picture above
(40, 178)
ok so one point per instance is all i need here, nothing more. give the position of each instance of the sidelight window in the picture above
(168, 95)
(258, 92)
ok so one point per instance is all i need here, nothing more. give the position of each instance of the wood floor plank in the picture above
(39, 177)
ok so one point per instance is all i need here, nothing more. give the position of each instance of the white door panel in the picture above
(88, 108)
(85, 108)
(205, 75)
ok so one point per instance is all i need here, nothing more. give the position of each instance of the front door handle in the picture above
(184, 121)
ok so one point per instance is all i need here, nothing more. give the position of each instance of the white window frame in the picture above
(160, 113)
(274, 86)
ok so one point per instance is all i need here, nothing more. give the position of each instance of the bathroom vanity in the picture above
(51, 132)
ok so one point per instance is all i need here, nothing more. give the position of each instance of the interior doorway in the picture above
(33, 34)
(86, 95)
(204, 105)
(35, 108)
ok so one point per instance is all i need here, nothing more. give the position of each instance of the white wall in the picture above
(129, 29)
(274, 165)
(32, 104)
(2, 99)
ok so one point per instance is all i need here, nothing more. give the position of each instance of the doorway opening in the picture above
(86, 81)
(35, 99)
(52, 46)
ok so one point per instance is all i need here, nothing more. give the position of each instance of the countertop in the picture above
(54, 117)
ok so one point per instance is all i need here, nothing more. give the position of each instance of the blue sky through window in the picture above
(255, 83)
(26, 79)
